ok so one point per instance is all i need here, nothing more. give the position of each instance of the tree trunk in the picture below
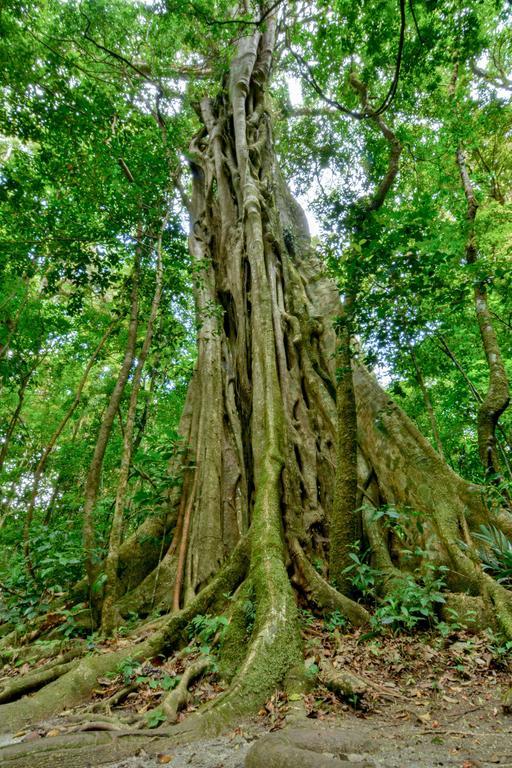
(13, 421)
(94, 473)
(497, 397)
(109, 614)
(41, 464)
(343, 528)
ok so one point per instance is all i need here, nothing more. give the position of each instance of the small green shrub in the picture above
(155, 718)
(335, 621)
(204, 628)
(500, 647)
(306, 618)
(364, 577)
(412, 604)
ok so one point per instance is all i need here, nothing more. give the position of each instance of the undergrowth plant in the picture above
(413, 603)
(496, 554)
(364, 577)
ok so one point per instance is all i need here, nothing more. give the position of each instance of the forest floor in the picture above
(430, 701)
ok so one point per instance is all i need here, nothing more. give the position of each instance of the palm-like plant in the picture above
(496, 555)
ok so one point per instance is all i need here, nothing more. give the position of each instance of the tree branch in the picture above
(313, 82)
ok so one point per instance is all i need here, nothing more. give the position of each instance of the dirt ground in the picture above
(429, 701)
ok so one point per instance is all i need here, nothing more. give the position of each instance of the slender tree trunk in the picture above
(22, 391)
(13, 324)
(51, 504)
(428, 404)
(497, 397)
(109, 615)
(94, 473)
(41, 464)
(145, 413)
(504, 441)
(343, 526)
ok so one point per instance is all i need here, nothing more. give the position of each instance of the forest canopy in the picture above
(255, 333)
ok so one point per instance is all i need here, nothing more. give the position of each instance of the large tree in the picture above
(252, 508)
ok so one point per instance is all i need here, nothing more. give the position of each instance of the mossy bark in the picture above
(343, 528)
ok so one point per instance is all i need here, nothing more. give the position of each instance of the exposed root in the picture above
(502, 519)
(69, 690)
(21, 685)
(106, 704)
(308, 747)
(352, 687)
(42, 650)
(74, 687)
(22, 637)
(179, 697)
(81, 750)
(323, 594)
(499, 601)
(237, 633)
(343, 683)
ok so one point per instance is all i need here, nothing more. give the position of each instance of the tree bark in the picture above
(94, 473)
(497, 397)
(109, 614)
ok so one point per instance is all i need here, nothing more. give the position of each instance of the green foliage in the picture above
(204, 628)
(306, 618)
(57, 556)
(364, 577)
(155, 717)
(411, 604)
(453, 623)
(500, 647)
(312, 669)
(166, 683)
(397, 521)
(128, 668)
(496, 555)
(249, 607)
(335, 620)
